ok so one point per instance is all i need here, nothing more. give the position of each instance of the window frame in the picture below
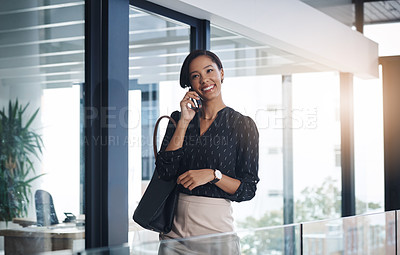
(106, 68)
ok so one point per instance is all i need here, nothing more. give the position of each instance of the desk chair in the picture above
(45, 213)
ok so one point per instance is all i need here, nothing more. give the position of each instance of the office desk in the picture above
(31, 240)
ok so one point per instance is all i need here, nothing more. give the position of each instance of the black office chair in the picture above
(45, 213)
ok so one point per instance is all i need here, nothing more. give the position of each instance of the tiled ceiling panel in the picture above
(343, 10)
(381, 12)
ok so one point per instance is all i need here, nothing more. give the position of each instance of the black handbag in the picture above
(156, 209)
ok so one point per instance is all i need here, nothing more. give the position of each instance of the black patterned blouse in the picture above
(230, 144)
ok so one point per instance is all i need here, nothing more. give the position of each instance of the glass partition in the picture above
(366, 234)
(323, 237)
(114, 250)
(41, 126)
(157, 48)
(398, 229)
(269, 240)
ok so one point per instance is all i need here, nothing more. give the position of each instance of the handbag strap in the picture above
(155, 132)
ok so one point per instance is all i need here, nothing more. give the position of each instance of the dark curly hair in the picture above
(184, 77)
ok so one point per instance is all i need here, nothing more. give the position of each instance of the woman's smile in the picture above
(208, 88)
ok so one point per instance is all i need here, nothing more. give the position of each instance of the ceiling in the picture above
(375, 12)
(45, 43)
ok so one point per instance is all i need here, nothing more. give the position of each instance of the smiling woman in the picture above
(210, 172)
(206, 79)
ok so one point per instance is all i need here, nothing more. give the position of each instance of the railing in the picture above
(363, 234)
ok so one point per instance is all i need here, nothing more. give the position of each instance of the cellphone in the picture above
(198, 104)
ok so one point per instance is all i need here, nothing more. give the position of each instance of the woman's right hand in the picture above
(187, 113)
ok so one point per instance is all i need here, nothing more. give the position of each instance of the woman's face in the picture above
(205, 77)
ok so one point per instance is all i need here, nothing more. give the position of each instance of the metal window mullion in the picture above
(347, 144)
(106, 96)
(200, 36)
(287, 151)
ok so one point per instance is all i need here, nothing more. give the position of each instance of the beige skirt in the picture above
(200, 216)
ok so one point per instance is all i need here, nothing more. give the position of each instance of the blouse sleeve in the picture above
(247, 160)
(167, 162)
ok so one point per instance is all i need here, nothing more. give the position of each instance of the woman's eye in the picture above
(209, 70)
(195, 76)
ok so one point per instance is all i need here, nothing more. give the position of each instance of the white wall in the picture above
(291, 26)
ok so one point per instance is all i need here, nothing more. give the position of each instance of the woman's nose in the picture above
(202, 80)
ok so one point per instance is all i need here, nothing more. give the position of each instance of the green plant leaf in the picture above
(34, 178)
(18, 144)
(31, 119)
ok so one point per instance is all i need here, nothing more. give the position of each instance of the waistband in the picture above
(204, 200)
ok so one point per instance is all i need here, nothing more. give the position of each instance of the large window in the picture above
(299, 124)
(41, 68)
(316, 146)
(252, 89)
(295, 106)
(368, 124)
(157, 48)
(368, 145)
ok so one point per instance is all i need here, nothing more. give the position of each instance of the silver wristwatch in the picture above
(217, 176)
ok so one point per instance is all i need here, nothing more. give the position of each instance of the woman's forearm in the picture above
(194, 178)
(178, 138)
(228, 184)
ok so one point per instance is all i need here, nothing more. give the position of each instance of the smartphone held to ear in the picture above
(198, 104)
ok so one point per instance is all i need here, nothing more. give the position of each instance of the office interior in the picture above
(87, 80)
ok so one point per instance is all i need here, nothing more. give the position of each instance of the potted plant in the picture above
(18, 144)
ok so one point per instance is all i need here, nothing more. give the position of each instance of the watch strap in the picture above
(216, 179)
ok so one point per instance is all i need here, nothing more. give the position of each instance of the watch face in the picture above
(218, 174)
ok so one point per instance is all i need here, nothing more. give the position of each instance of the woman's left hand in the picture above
(194, 178)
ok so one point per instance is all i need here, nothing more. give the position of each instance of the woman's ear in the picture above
(222, 75)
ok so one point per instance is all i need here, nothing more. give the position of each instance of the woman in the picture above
(213, 152)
